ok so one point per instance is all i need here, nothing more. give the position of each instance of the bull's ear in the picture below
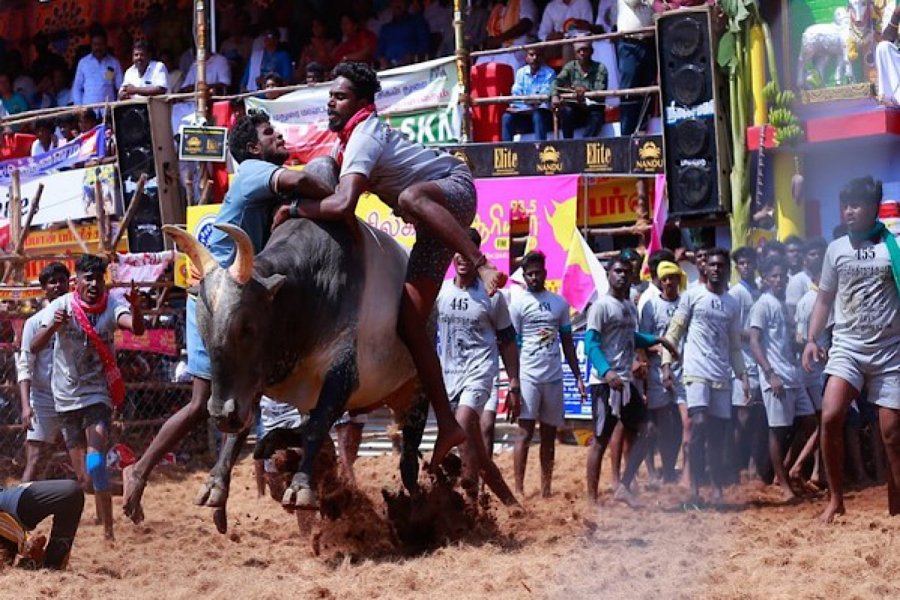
(273, 283)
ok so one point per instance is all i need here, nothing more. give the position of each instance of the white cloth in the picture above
(37, 148)
(256, 57)
(217, 71)
(558, 12)
(634, 14)
(887, 65)
(155, 75)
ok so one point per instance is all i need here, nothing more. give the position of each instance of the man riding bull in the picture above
(256, 191)
(426, 187)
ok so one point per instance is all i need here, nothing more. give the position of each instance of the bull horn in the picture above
(241, 270)
(197, 252)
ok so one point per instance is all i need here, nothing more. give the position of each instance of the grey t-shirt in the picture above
(746, 296)
(468, 322)
(37, 368)
(656, 315)
(802, 316)
(539, 319)
(391, 162)
(867, 307)
(616, 322)
(798, 285)
(712, 322)
(770, 316)
(78, 378)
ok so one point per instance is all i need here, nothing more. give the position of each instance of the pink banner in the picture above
(157, 341)
(549, 204)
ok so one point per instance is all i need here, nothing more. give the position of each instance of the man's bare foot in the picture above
(492, 277)
(133, 490)
(788, 494)
(623, 494)
(834, 508)
(445, 442)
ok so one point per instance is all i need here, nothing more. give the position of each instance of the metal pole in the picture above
(462, 69)
(201, 90)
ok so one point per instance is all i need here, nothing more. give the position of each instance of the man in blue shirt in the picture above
(272, 59)
(403, 39)
(99, 74)
(259, 187)
(535, 78)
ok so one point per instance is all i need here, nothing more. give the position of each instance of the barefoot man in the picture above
(612, 336)
(472, 327)
(541, 320)
(426, 187)
(710, 319)
(87, 384)
(789, 409)
(860, 280)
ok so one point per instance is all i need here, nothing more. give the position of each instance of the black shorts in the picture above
(632, 415)
(74, 422)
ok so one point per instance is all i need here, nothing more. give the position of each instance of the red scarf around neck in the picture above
(114, 381)
(344, 134)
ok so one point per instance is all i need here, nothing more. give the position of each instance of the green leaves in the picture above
(726, 55)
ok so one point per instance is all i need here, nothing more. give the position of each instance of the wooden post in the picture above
(102, 224)
(462, 68)
(15, 206)
(23, 235)
(201, 89)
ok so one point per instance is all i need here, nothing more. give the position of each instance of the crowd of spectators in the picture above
(294, 42)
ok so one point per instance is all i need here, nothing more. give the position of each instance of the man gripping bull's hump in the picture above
(426, 187)
(259, 187)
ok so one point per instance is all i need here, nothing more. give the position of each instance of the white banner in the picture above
(69, 195)
(302, 119)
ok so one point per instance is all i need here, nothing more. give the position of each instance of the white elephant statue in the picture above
(825, 44)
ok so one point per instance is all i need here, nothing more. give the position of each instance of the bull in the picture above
(311, 321)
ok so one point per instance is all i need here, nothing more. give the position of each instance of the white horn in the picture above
(201, 258)
(241, 270)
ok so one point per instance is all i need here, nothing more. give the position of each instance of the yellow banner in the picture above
(379, 215)
(610, 201)
(200, 220)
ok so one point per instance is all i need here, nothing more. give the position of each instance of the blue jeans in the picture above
(538, 121)
(637, 68)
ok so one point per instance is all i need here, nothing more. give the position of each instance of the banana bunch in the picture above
(788, 134)
(770, 92)
(782, 117)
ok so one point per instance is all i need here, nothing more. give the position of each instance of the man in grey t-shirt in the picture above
(788, 407)
(426, 187)
(81, 326)
(34, 371)
(858, 281)
(710, 320)
(473, 328)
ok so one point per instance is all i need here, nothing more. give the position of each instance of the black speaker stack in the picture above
(134, 144)
(694, 130)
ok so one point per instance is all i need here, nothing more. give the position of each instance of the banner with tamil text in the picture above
(85, 147)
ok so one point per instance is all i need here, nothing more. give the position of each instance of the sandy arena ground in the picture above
(559, 549)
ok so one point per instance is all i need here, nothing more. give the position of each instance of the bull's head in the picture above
(234, 310)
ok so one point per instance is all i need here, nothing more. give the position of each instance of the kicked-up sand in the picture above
(755, 547)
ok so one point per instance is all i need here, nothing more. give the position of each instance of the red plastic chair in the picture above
(489, 79)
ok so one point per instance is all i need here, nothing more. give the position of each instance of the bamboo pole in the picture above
(462, 68)
(15, 205)
(78, 239)
(537, 98)
(23, 235)
(201, 89)
(132, 209)
(636, 33)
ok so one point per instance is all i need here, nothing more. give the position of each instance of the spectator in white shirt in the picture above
(218, 75)
(46, 140)
(98, 75)
(558, 12)
(144, 77)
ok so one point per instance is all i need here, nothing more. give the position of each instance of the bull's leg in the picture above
(413, 428)
(340, 382)
(214, 492)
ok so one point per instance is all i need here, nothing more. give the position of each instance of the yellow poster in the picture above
(200, 220)
(378, 215)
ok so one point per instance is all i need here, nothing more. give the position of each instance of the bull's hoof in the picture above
(300, 494)
(213, 493)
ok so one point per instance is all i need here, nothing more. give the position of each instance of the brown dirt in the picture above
(561, 548)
